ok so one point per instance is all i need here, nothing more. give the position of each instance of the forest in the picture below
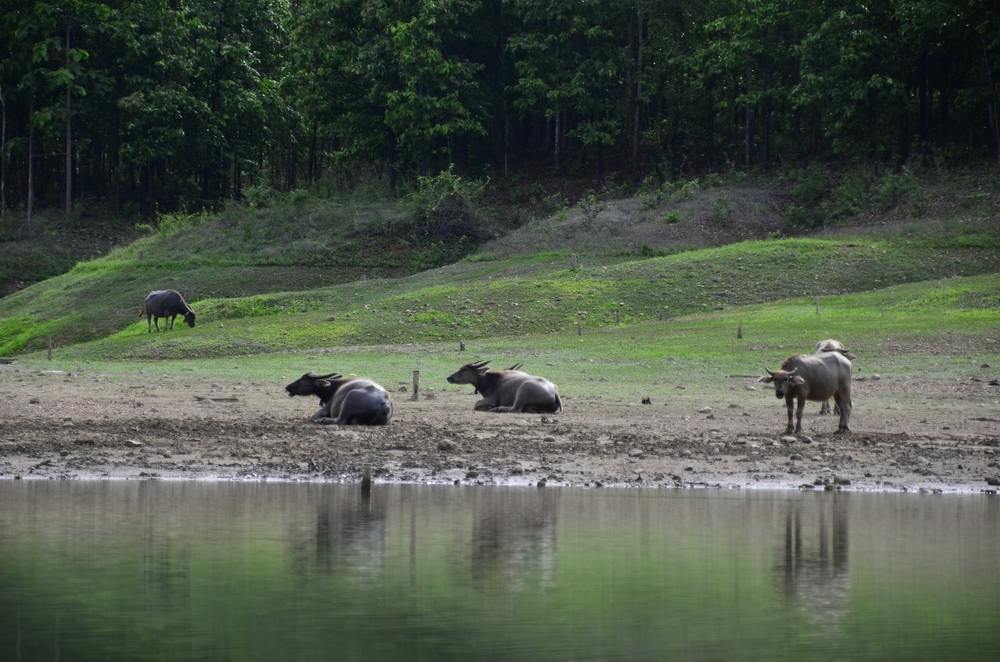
(161, 105)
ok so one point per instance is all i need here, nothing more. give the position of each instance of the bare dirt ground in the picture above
(908, 435)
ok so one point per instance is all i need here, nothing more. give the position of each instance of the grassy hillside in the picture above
(304, 274)
(939, 329)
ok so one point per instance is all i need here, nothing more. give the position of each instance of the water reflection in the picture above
(126, 571)
(514, 541)
(347, 536)
(813, 573)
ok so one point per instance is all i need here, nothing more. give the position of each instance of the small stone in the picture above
(471, 474)
(840, 480)
(133, 443)
(446, 445)
(993, 480)
(710, 417)
(705, 410)
(750, 388)
(789, 439)
(647, 401)
(541, 483)
(34, 401)
(876, 377)
(795, 456)
(635, 452)
(806, 440)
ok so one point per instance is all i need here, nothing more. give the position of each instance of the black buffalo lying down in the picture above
(508, 390)
(344, 401)
(168, 304)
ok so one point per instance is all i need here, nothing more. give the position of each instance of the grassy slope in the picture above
(261, 282)
(938, 329)
(237, 253)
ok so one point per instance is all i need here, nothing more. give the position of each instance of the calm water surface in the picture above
(159, 570)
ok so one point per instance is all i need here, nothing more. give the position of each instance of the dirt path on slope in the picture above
(908, 435)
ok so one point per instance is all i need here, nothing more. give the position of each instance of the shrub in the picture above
(443, 206)
(259, 195)
(671, 217)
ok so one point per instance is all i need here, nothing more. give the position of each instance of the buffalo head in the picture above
(310, 384)
(470, 373)
(784, 381)
(189, 318)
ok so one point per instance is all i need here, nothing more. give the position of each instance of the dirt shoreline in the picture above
(62, 425)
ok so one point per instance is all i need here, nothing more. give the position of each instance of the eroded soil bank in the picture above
(908, 434)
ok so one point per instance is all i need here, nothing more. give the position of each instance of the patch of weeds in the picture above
(671, 217)
(811, 187)
(591, 206)
(894, 188)
(722, 210)
(800, 217)
(554, 203)
(171, 224)
(259, 195)
(713, 180)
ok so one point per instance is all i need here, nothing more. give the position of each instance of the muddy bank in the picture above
(77, 425)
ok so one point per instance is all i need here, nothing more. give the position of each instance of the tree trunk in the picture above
(3, 156)
(991, 105)
(555, 137)
(748, 127)
(69, 134)
(31, 155)
(638, 85)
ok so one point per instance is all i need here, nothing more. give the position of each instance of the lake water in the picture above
(173, 570)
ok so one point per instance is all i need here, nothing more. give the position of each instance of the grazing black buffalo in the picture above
(813, 377)
(508, 390)
(344, 401)
(168, 304)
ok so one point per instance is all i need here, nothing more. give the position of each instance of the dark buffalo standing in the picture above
(345, 401)
(813, 377)
(168, 304)
(508, 390)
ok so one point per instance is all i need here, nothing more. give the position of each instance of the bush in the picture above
(443, 207)
(811, 187)
(259, 195)
(894, 188)
(671, 217)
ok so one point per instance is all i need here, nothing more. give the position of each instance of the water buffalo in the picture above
(508, 390)
(814, 377)
(344, 401)
(831, 345)
(168, 304)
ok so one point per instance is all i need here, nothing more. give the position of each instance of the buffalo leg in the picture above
(149, 323)
(798, 414)
(172, 318)
(483, 405)
(788, 403)
(843, 398)
(824, 408)
(156, 322)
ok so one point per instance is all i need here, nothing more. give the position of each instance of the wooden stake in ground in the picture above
(50, 349)
(416, 385)
(366, 480)
(739, 332)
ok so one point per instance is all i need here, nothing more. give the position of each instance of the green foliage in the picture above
(671, 217)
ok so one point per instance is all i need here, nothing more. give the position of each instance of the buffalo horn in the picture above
(769, 372)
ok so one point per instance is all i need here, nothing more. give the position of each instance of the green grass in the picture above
(481, 299)
(939, 329)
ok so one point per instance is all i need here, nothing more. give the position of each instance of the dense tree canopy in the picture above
(165, 104)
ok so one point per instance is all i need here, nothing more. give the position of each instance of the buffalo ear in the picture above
(798, 380)
(323, 383)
